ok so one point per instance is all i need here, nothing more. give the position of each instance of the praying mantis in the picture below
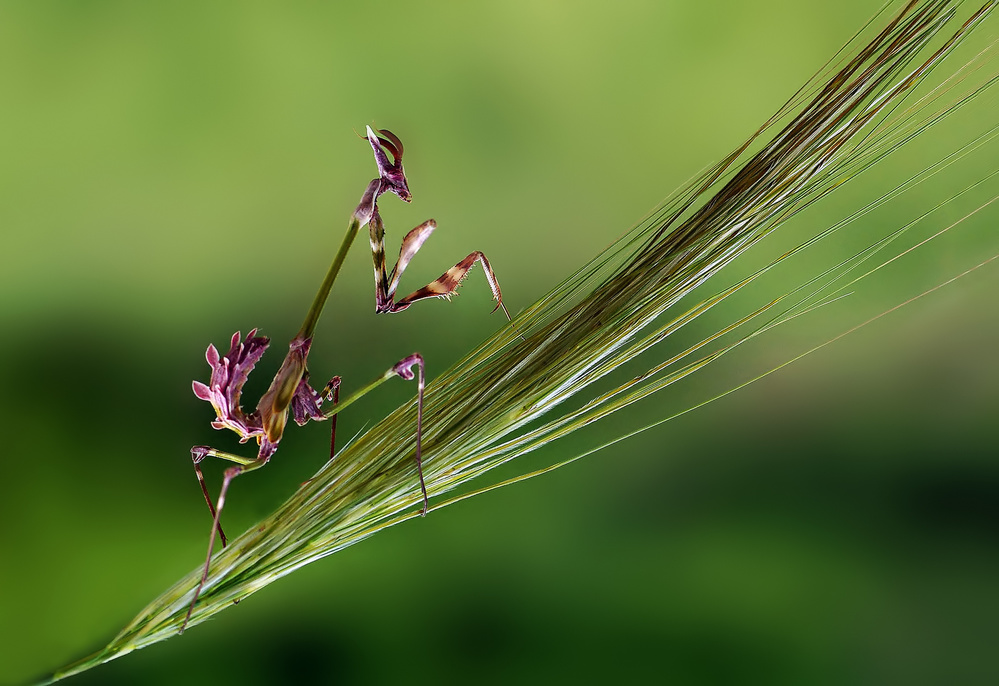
(290, 391)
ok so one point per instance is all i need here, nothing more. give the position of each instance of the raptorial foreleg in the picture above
(443, 287)
(199, 453)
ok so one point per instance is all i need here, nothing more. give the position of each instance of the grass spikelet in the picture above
(505, 399)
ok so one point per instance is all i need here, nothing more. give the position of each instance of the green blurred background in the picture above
(173, 172)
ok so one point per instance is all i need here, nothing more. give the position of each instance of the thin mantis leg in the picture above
(230, 474)
(404, 370)
(199, 453)
(332, 392)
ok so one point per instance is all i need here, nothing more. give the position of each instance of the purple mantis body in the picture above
(290, 391)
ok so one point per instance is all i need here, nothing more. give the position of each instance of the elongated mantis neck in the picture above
(312, 317)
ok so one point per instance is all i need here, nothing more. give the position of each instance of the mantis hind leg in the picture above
(404, 370)
(230, 474)
(199, 453)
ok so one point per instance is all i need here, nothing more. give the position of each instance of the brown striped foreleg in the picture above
(447, 284)
(443, 287)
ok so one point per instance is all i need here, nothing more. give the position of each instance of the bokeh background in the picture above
(173, 172)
